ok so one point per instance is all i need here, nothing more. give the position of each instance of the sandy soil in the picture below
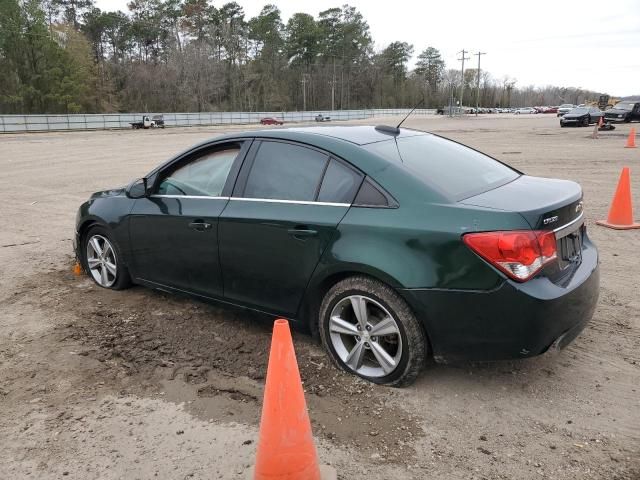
(139, 384)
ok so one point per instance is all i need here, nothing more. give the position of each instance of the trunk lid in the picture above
(545, 203)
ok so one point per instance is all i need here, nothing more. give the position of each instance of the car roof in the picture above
(356, 134)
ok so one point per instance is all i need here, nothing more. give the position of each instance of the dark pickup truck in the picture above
(623, 112)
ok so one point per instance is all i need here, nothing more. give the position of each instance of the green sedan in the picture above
(391, 245)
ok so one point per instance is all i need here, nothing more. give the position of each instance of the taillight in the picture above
(518, 253)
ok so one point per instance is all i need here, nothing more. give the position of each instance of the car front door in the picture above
(174, 231)
(281, 217)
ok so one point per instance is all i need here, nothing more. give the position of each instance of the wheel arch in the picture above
(322, 283)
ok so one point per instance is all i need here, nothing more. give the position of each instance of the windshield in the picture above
(624, 106)
(579, 110)
(457, 171)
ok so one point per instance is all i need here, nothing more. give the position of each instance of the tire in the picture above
(121, 279)
(586, 122)
(407, 344)
(562, 124)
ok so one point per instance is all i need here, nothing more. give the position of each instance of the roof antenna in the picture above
(419, 103)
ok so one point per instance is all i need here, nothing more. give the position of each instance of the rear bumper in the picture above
(512, 321)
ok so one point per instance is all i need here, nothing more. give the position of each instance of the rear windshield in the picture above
(455, 170)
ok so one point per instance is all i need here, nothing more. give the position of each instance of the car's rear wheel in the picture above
(585, 122)
(102, 259)
(369, 330)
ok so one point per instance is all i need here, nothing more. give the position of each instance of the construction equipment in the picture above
(605, 102)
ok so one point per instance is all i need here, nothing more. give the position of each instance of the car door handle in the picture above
(199, 225)
(301, 232)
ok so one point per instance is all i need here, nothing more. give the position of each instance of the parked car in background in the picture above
(565, 108)
(391, 243)
(623, 112)
(581, 117)
(271, 121)
(322, 118)
(525, 110)
(551, 110)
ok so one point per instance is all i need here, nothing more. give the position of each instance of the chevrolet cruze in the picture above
(390, 244)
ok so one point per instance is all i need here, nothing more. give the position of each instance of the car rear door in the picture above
(174, 231)
(278, 222)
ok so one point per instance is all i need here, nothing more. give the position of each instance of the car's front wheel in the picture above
(369, 330)
(103, 261)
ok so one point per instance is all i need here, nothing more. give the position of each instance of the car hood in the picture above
(574, 115)
(115, 192)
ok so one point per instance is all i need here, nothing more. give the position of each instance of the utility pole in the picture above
(463, 52)
(304, 92)
(333, 85)
(479, 54)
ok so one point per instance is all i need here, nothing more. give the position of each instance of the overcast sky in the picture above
(591, 44)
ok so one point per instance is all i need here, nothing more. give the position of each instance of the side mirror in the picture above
(137, 188)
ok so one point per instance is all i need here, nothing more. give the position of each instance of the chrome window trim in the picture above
(566, 229)
(189, 196)
(296, 202)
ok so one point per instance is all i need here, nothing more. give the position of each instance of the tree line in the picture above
(68, 56)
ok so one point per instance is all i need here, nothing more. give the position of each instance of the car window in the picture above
(450, 167)
(340, 183)
(203, 176)
(283, 171)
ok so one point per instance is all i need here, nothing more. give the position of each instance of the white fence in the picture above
(46, 123)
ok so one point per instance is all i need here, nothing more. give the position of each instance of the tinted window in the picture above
(285, 172)
(203, 176)
(370, 196)
(454, 169)
(624, 106)
(340, 183)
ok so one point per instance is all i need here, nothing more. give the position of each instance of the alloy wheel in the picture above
(365, 336)
(101, 260)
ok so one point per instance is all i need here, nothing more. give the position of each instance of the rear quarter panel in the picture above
(415, 246)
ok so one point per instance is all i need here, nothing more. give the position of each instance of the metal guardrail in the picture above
(48, 123)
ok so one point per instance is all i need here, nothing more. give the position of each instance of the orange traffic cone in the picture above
(621, 211)
(285, 445)
(77, 269)
(600, 122)
(631, 139)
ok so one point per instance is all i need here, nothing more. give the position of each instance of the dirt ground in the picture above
(140, 384)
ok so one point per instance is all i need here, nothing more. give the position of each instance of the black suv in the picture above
(623, 112)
